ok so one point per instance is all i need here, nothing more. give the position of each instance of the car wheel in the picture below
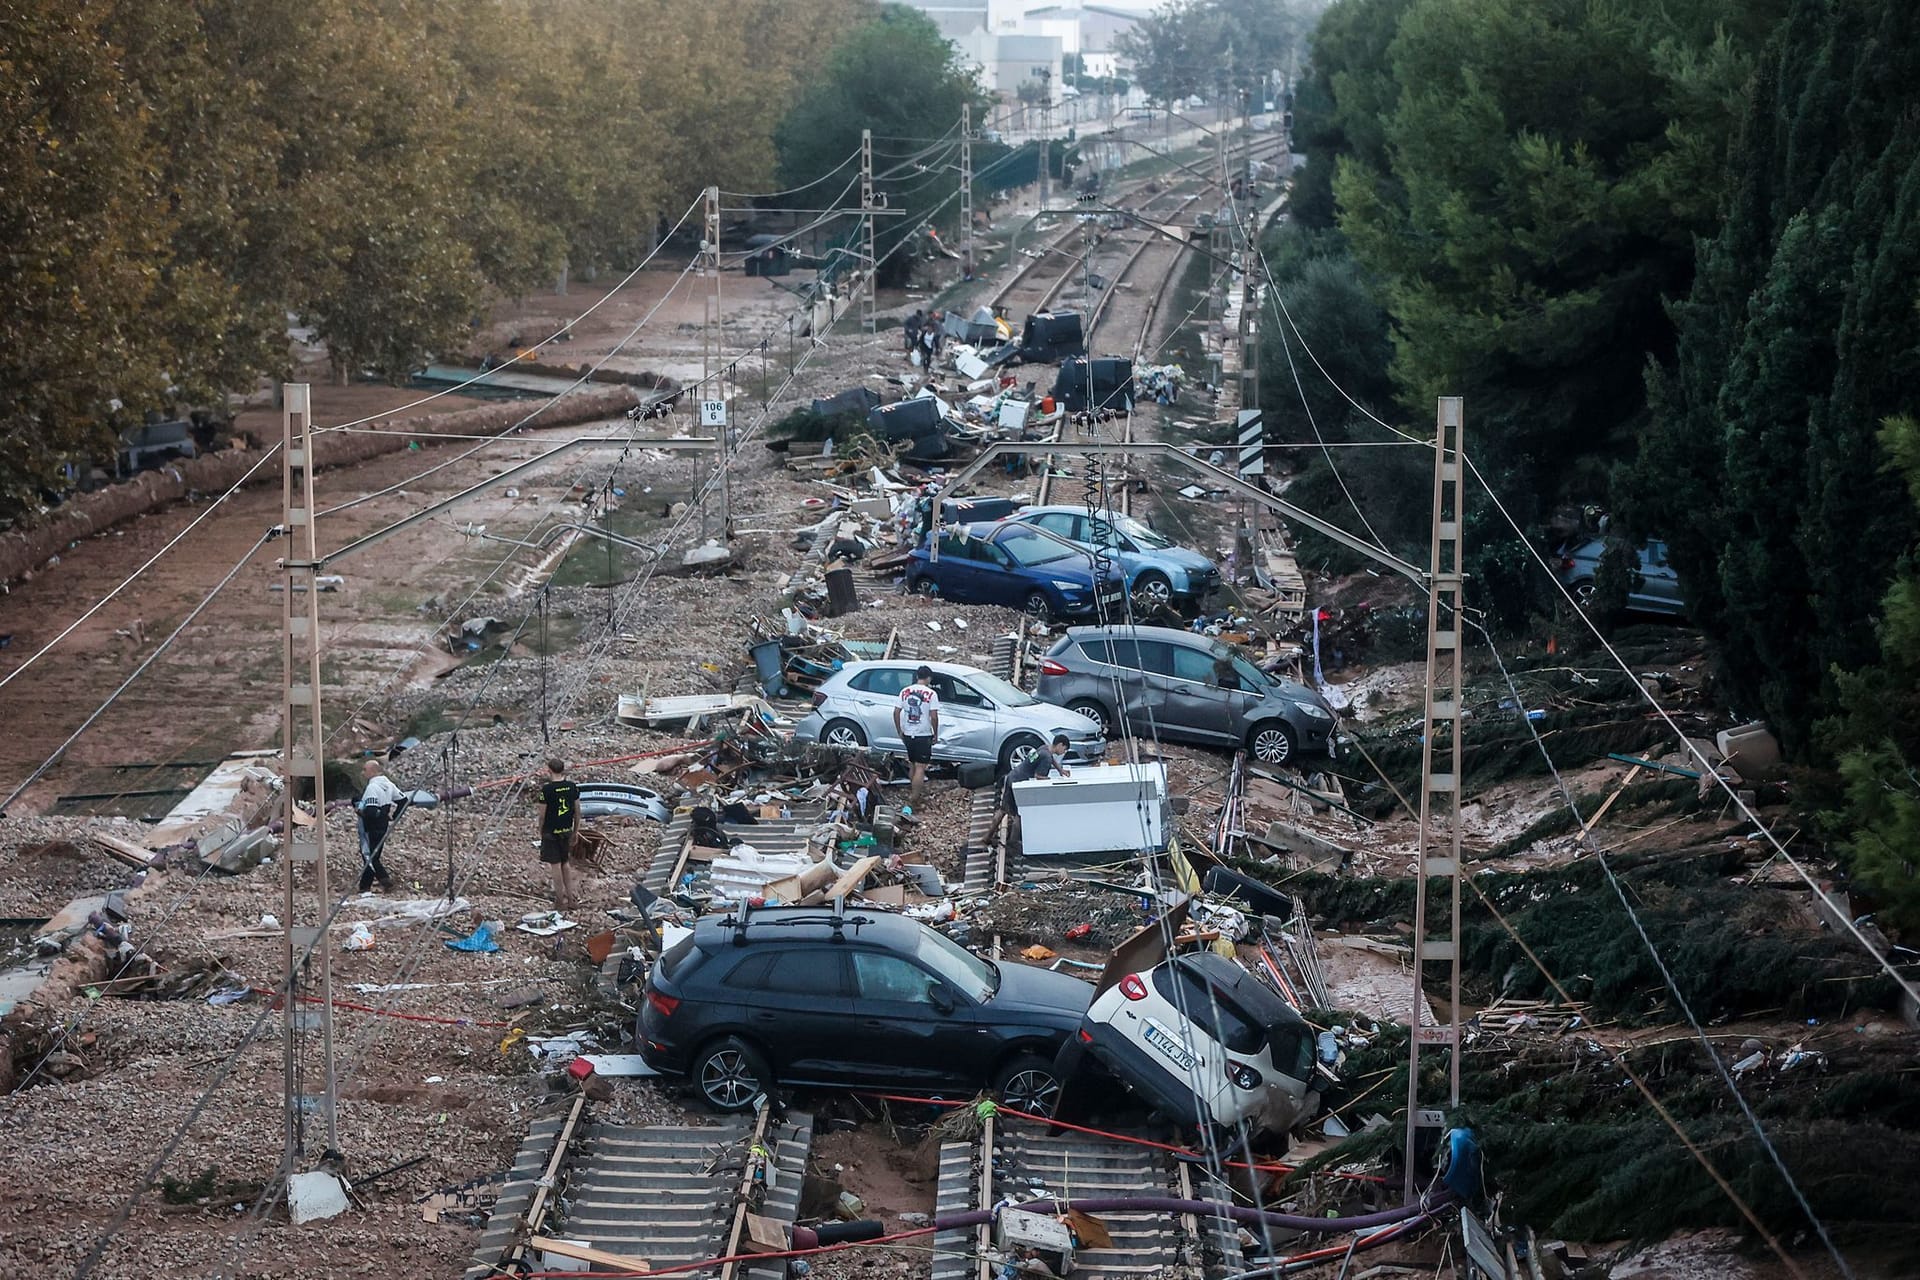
(1095, 712)
(1153, 591)
(1022, 746)
(1028, 1083)
(1271, 742)
(843, 733)
(1037, 607)
(730, 1074)
(924, 587)
(1582, 593)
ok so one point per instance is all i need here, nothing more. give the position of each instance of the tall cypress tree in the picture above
(1763, 465)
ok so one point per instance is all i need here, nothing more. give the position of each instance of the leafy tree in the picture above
(84, 224)
(1546, 165)
(1208, 47)
(1342, 102)
(177, 176)
(897, 75)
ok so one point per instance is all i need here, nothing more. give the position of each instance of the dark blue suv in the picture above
(1018, 566)
(852, 999)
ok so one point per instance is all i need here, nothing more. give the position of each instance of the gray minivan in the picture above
(1185, 687)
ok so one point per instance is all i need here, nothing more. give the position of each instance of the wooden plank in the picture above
(123, 850)
(582, 1253)
(850, 879)
(1607, 804)
(741, 1197)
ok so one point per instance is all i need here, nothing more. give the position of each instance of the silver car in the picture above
(982, 717)
(1656, 588)
(1185, 688)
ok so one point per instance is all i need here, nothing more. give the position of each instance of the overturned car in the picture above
(1202, 1042)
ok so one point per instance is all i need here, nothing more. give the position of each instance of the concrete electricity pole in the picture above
(966, 190)
(1046, 134)
(866, 213)
(712, 390)
(1437, 941)
(306, 979)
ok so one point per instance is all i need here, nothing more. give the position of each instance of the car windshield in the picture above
(1003, 693)
(1150, 538)
(1030, 548)
(959, 966)
(1252, 679)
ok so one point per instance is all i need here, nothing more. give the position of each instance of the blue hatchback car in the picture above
(1015, 565)
(1159, 571)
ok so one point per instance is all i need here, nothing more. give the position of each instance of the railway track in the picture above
(1038, 283)
(1016, 1159)
(668, 1195)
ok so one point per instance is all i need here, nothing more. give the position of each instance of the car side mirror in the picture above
(940, 998)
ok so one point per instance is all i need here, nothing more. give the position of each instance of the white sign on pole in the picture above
(713, 413)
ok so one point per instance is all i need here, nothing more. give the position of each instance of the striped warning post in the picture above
(1253, 444)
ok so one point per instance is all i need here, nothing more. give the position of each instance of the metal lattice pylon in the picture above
(306, 984)
(1436, 940)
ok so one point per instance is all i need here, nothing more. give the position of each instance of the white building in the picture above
(1016, 43)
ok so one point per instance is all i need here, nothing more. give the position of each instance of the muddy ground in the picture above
(181, 1100)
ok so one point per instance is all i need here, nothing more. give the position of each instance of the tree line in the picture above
(180, 179)
(1669, 252)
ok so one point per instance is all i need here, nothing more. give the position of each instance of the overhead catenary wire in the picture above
(140, 670)
(852, 158)
(274, 449)
(545, 405)
(838, 210)
(137, 574)
(510, 794)
(1592, 843)
(1706, 768)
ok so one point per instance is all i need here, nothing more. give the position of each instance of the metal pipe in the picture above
(1210, 1208)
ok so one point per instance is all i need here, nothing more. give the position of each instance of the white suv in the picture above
(1239, 1053)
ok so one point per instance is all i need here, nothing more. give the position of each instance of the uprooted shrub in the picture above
(1578, 1151)
(805, 426)
(1733, 950)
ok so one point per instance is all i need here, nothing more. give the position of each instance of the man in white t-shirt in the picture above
(916, 718)
(379, 805)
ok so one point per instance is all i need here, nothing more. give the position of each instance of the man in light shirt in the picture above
(379, 805)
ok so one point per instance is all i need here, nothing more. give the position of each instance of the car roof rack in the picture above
(737, 922)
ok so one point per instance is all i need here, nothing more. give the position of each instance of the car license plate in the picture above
(1169, 1045)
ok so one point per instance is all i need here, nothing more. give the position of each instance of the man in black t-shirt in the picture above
(562, 800)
